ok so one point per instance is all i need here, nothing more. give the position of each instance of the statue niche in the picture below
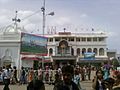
(63, 48)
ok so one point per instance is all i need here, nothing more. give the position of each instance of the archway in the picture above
(101, 51)
(78, 51)
(50, 51)
(83, 51)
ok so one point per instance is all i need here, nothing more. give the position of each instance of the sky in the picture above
(74, 15)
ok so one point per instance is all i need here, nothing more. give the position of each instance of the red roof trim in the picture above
(25, 53)
(31, 58)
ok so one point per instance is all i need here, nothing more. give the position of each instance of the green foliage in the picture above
(115, 62)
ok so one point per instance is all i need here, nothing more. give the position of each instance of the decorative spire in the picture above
(16, 20)
(64, 29)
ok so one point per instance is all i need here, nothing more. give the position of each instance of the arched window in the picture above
(78, 51)
(95, 51)
(101, 51)
(72, 51)
(63, 47)
(50, 51)
(89, 50)
(83, 51)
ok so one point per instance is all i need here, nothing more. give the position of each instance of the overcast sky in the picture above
(74, 15)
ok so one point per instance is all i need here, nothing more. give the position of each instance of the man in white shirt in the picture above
(6, 78)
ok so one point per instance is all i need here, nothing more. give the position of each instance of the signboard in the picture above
(89, 56)
(33, 44)
(118, 68)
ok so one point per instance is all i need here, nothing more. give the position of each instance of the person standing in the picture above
(30, 75)
(36, 85)
(6, 78)
(106, 69)
(76, 78)
(15, 74)
(98, 81)
(67, 83)
(89, 72)
(116, 77)
(22, 76)
(40, 74)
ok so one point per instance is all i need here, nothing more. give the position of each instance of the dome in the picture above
(13, 29)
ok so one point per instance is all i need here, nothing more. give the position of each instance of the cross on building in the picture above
(64, 29)
(16, 19)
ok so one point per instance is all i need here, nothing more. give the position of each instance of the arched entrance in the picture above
(6, 60)
(63, 48)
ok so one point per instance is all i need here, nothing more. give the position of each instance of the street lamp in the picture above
(43, 27)
(44, 16)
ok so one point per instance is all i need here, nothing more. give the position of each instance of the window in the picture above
(89, 50)
(50, 51)
(71, 39)
(89, 39)
(50, 39)
(94, 39)
(78, 39)
(64, 38)
(95, 51)
(57, 39)
(101, 51)
(83, 51)
(101, 39)
(78, 51)
(83, 39)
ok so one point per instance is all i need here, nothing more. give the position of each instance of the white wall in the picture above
(27, 63)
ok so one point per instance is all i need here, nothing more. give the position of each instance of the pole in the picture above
(43, 10)
(44, 18)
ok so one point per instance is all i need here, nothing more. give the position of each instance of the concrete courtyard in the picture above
(86, 85)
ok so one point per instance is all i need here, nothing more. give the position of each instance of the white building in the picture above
(68, 47)
(10, 47)
(63, 47)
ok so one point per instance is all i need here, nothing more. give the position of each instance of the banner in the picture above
(33, 44)
(89, 56)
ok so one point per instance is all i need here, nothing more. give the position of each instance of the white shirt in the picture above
(7, 74)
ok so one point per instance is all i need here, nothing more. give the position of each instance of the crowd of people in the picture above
(67, 77)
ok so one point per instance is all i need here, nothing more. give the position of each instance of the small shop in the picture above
(30, 61)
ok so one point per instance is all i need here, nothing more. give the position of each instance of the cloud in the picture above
(60, 21)
(30, 16)
(83, 15)
(5, 17)
(24, 14)
(29, 19)
(3, 1)
(30, 27)
(113, 34)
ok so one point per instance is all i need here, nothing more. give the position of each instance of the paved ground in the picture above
(85, 85)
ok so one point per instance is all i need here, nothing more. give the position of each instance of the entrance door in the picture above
(63, 62)
(36, 65)
(6, 63)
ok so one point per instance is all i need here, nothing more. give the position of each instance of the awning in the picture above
(47, 61)
(36, 59)
(31, 58)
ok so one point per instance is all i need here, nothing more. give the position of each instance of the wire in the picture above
(21, 19)
(31, 15)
